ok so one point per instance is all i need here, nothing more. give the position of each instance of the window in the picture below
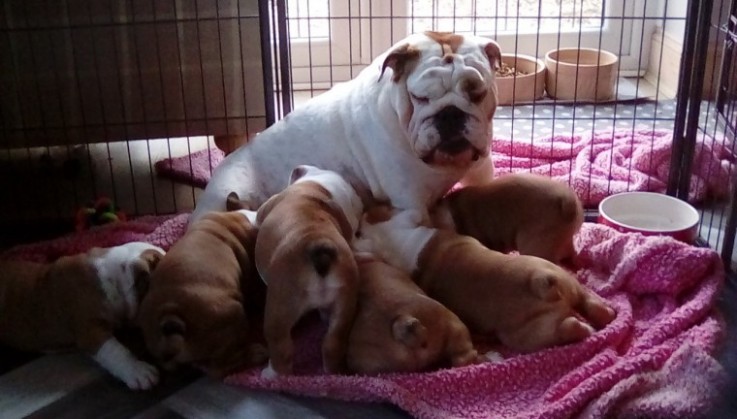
(332, 40)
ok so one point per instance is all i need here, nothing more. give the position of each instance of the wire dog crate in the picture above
(96, 93)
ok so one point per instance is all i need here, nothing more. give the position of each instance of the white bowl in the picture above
(650, 213)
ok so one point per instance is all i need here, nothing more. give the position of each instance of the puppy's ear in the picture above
(494, 54)
(142, 269)
(545, 286)
(171, 325)
(409, 331)
(399, 60)
(233, 203)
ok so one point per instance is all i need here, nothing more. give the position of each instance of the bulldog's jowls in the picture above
(532, 214)
(303, 253)
(527, 302)
(77, 302)
(203, 303)
(400, 329)
(407, 128)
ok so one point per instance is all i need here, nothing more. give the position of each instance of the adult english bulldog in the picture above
(406, 129)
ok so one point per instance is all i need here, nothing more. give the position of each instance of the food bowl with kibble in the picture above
(520, 78)
(651, 214)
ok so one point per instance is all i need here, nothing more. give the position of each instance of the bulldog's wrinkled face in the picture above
(451, 93)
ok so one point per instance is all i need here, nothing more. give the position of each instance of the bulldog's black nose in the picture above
(450, 122)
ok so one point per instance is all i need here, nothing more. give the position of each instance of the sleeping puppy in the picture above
(76, 302)
(527, 302)
(303, 253)
(196, 309)
(532, 214)
(400, 329)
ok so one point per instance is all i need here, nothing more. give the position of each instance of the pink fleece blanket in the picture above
(596, 165)
(654, 360)
(161, 231)
(607, 162)
(193, 169)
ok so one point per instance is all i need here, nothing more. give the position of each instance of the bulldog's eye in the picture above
(419, 99)
(477, 96)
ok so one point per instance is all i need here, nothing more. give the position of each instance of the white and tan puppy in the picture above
(400, 329)
(303, 253)
(77, 302)
(532, 214)
(205, 299)
(527, 302)
(407, 128)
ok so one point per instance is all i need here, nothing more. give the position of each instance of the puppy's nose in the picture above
(449, 122)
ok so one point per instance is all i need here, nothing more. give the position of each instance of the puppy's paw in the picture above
(268, 373)
(571, 330)
(494, 356)
(140, 376)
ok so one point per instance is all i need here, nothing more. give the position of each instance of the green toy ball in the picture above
(100, 212)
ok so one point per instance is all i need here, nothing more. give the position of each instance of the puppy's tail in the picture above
(323, 255)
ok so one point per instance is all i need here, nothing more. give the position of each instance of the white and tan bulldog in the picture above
(527, 302)
(303, 253)
(407, 128)
(77, 302)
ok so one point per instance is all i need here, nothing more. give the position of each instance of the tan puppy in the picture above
(303, 254)
(527, 302)
(77, 302)
(400, 329)
(533, 214)
(196, 310)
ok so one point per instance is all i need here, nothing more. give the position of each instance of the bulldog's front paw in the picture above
(140, 376)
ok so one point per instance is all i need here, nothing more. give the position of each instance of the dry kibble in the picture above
(508, 71)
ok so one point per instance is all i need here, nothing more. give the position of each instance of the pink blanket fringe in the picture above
(654, 360)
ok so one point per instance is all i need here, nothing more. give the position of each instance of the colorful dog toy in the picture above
(100, 212)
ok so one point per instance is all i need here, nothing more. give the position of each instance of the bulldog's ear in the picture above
(399, 61)
(409, 331)
(233, 203)
(494, 53)
(297, 173)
